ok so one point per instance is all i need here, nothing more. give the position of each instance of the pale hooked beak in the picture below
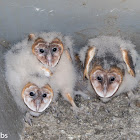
(37, 104)
(105, 90)
(49, 58)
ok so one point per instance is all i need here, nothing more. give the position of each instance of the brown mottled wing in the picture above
(89, 56)
(128, 61)
(68, 55)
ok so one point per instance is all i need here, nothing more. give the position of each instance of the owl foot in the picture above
(28, 118)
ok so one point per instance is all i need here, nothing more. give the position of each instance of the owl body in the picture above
(25, 63)
(111, 66)
(64, 77)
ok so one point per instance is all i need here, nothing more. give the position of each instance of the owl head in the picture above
(37, 99)
(106, 81)
(48, 53)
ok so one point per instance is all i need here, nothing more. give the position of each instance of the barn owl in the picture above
(31, 92)
(41, 58)
(111, 66)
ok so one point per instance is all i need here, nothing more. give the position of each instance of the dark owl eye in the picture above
(41, 51)
(99, 78)
(32, 94)
(44, 95)
(54, 49)
(112, 79)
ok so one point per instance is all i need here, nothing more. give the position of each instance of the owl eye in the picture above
(41, 51)
(32, 94)
(99, 78)
(44, 95)
(112, 79)
(54, 49)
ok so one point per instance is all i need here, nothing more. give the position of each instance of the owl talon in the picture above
(28, 118)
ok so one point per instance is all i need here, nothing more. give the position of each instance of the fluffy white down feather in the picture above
(113, 44)
(21, 67)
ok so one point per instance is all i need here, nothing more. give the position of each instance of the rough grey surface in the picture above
(115, 120)
(10, 118)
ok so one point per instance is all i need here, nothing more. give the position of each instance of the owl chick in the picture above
(37, 99)
(31, 92)
(40, 59)
(54, 52)
(111, 66)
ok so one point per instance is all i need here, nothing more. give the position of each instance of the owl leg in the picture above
(28, 118)
(70, 99)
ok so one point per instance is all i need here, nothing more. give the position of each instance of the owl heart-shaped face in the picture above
(106, 83)
(48, 53)
(37, 99)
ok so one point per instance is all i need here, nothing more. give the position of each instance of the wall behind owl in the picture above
(82, 19)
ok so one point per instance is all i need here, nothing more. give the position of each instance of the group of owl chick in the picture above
(44, 64)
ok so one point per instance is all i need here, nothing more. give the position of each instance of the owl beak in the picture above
(105, 87)
(49, 58)
(37, 104)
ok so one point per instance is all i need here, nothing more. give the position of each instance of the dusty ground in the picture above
(116, 120)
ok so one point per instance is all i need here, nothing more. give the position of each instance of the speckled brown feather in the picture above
(128, 61)
(70, 99)
(89, 56)
(68, 55)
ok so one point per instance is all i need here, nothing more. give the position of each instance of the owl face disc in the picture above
(48, 53)
(105, 83)
(37, 99)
